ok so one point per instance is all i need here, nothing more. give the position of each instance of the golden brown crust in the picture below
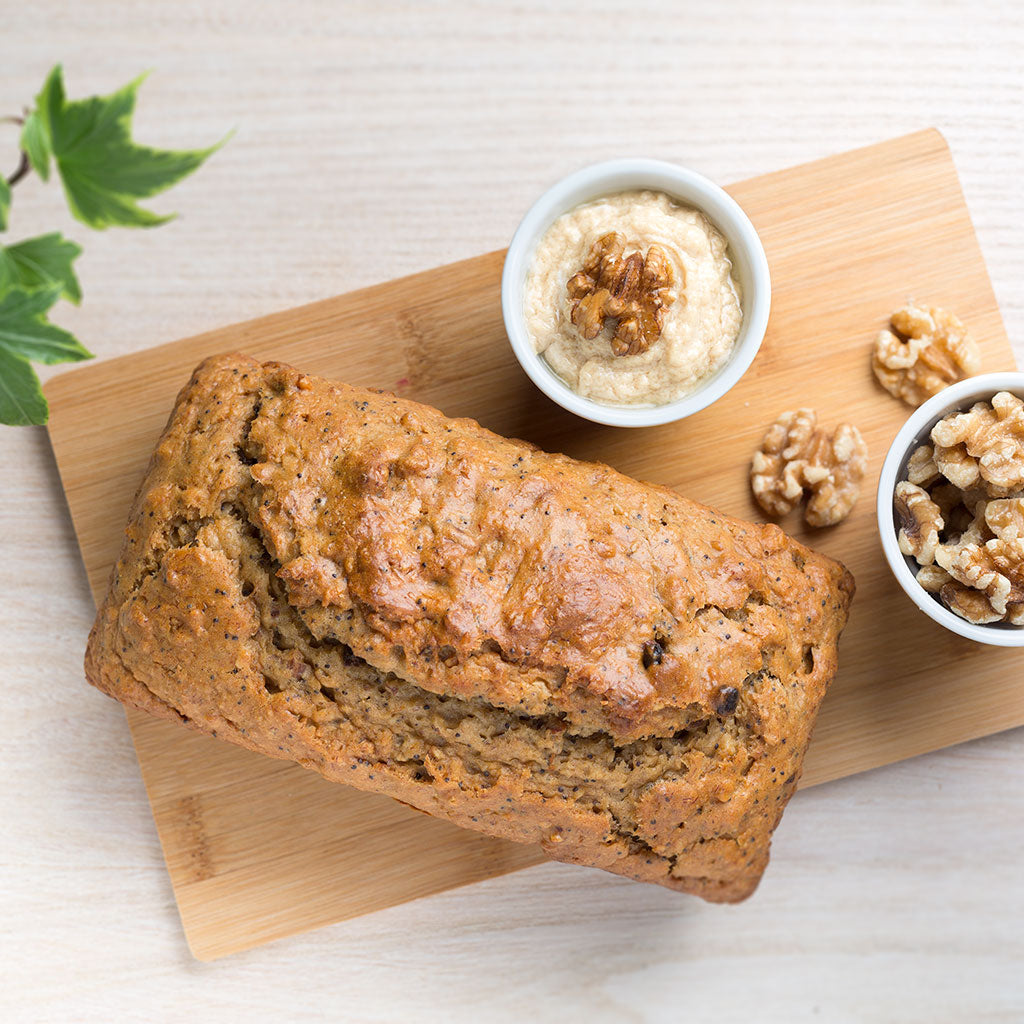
(526, 645)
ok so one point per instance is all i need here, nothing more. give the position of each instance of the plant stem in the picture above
(20, 171)
(23, 165)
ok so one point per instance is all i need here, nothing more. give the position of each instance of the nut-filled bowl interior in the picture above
(912, 435)
(745, 251)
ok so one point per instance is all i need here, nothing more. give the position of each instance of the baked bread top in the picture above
(535, 647)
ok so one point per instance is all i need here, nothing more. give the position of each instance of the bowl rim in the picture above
(917, 426)
(685, 185)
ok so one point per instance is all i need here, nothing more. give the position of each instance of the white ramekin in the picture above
(745, 250)
(913, 433)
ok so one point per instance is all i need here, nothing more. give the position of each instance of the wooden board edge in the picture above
(210, 951)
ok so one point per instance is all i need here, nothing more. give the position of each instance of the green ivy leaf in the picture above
(39, 261)
(33, 139)
(5, 202)
(25, 331)
(103, 170)
(22, 402)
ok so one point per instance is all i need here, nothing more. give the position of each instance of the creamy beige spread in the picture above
(699, 329)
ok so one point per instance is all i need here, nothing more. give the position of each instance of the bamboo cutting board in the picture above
(259, 849)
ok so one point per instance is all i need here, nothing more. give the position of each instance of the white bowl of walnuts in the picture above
(951, 508)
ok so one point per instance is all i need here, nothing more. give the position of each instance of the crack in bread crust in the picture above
(214, 617)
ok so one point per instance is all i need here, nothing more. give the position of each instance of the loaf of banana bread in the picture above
(537, 648)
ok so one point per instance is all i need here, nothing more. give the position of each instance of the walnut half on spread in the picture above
(635, 290)
(797, 457)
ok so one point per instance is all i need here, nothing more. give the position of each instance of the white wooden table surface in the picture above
(375, 139)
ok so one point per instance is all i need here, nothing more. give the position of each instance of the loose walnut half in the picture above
(635, 290)
(796, 457)
(983, 447)
(920, 522)
(926, 350)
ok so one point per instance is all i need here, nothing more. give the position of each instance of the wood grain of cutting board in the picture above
(259, 849)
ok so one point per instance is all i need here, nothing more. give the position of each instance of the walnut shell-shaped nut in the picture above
(797, 459)
(1005, 518)
(920, 522)
(933, 578)
(968, 603)
(994, 567)
(776, 470)
(835, 493)
(633, 290)
(984, 446)
(925, 350)
(921, 468)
